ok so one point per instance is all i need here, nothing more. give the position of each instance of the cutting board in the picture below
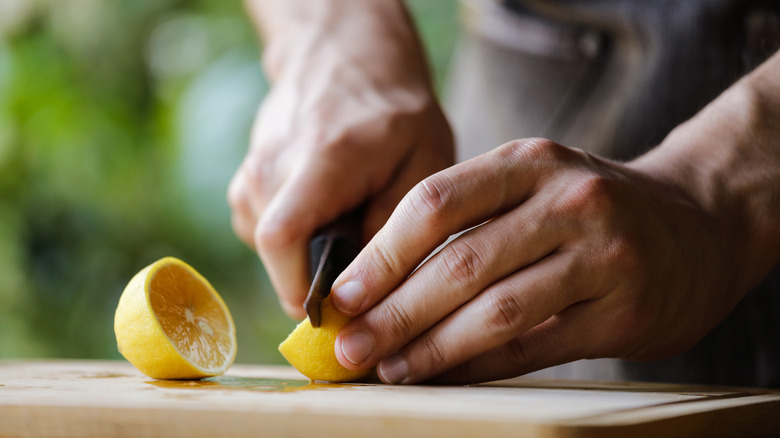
(101, 398)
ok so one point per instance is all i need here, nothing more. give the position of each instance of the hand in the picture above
(571, 257)
(346, 123)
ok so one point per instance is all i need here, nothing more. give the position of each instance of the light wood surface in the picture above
(101, 398)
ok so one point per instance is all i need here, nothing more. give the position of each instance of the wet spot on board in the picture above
(246, 384)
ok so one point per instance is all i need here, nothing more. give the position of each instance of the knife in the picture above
(331, 250)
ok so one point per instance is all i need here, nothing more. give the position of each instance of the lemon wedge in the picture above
(312, 350)
(171, 324)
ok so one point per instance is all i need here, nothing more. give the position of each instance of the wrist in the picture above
(376, 35)
(726, 159)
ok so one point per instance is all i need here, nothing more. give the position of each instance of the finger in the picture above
(243, 227)
(460, 271)
(446, 203)
(499, 314)
(312, 196)
(250, 190)
(242, 217)
(565, 337)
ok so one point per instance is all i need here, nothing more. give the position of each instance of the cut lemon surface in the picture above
(312, 350)
(171, 324)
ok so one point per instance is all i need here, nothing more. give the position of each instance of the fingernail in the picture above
(357, 346)
(394, 369)
(349, 296)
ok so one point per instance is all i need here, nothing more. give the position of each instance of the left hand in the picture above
(352, 120)
(576, 257)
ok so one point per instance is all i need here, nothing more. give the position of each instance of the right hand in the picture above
(331, 135)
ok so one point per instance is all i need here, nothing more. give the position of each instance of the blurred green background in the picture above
(121, 124)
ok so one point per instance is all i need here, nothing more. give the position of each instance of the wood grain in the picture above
(99, 398)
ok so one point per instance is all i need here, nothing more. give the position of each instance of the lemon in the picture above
(312, 350)
(171, 324)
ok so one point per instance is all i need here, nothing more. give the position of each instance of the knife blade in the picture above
(331, 250)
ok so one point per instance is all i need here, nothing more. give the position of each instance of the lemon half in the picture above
(171, 324)
(312, 350)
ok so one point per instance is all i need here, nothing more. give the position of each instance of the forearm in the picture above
(728, 159)
(378, 35)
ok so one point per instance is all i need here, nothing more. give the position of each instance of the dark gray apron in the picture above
(614, 77)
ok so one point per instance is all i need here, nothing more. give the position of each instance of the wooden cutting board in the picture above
(99, 398)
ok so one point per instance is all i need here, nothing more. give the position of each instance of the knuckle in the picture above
(387, 261)
(463, 262)
(505, 312)
(515, 354)
(589, 195)
(399, 322)
(433, 352)
(270, 235)
(616, 252)
(258, 169)
(532, 150)
(431, 198)
(594, 186)
(622, 253)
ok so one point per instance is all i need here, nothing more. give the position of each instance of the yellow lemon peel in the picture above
(312, 350)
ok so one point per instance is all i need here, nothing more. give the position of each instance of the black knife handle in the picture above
(345, 235)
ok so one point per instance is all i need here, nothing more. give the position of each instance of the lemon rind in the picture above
(141, 321)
